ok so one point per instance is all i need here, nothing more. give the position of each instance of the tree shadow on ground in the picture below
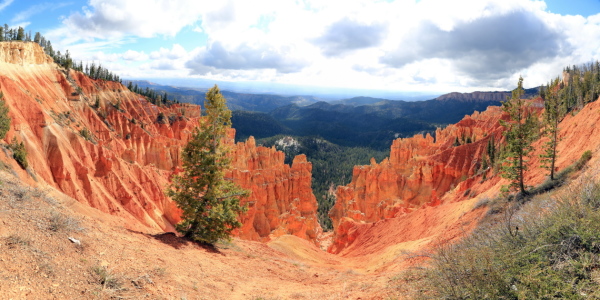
(177, 242)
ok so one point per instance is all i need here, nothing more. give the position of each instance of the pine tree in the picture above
(4, 118)
(520, 133)
(209, 201)
(37, 38)
(20, 34)
(491, 150)
(553, 113)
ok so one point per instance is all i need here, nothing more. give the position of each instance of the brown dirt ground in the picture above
(116, 261)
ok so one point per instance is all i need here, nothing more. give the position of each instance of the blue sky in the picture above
(395, 45)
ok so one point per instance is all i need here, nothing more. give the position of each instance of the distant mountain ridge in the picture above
(235, 101)
(354, 122)
(486, 96)
(358, 101)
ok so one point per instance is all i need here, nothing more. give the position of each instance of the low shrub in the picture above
(527, 256)
(104, 277)
(86, 134)
(19, 153)
(58, 222)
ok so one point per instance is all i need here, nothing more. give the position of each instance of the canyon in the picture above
(107, 157)
(103, 145)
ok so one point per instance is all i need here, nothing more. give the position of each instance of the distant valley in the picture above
(353, 122)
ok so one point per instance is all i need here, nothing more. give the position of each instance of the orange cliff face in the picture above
(418, 173)
(281, 201)
(124, 166)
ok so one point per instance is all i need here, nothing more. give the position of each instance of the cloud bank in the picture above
(432, 45)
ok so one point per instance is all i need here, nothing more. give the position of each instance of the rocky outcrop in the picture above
(103, 145)
(281, 201)
(22, 53)
(419, 171)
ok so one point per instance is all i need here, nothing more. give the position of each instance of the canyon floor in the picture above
(117, 260)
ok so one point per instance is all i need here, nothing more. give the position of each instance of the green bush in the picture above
(86, 134)
(161, 118)
(19, 153)
(548, 255)
(585, 157)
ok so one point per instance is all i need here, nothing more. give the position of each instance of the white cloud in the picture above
(348, 35)
(142, 18)
(5, 3)
(486, 49)
(245, 57)
(177, 51)
(36, 9)
(21, 24)
(433, 45)
(134, 55)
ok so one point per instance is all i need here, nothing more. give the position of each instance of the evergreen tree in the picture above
(491, 150)
(20, 34)
(209, 201)
(4, 118)
(37, 38)
(553, 113)
(520, 133)
(49, 50)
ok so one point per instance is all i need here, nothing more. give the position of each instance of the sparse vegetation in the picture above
(78, 91)
(59, 222)
(19, 153)
(545, 249)
(106, 278)
(17, 240)
(86, 134)
(161, 118)
(561, 176)
(96, 102)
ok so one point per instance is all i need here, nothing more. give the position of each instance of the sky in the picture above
(393, 45)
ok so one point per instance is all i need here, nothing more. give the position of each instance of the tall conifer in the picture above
(520, 133)
(209, 201)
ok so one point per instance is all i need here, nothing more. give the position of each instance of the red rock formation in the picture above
(418, 173)
(458, 211)
(124, 165)
(282, 201)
